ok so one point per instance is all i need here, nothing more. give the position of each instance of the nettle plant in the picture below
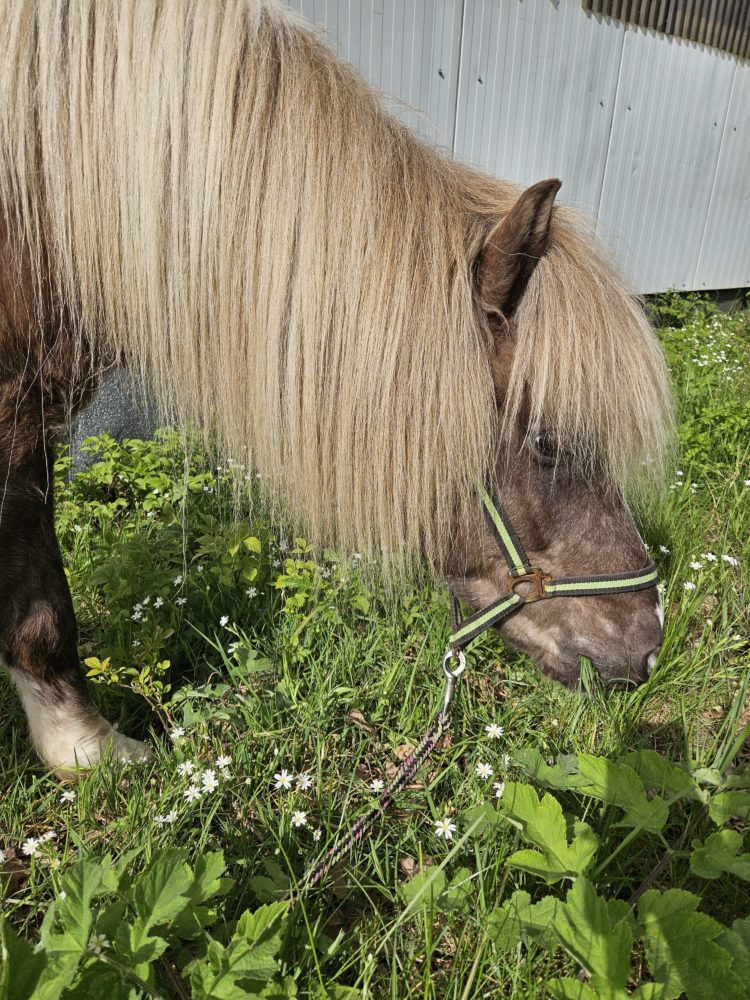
(629, 804)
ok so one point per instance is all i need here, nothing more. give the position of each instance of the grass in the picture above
(318, 671)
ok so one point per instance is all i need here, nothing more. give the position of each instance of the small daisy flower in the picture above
(63, 894)
(445, 828)
(747, 482)
(283, 780)
(49, 835)
(499, 787)
(192, 793)
(177, 580)
(731, 560)
(98, 943)
(176, 734)
(299, 818)
(224, 620)
(696, 565)
(136, 643)
(223, 761)
(494, 731)
(68, 796)
(377, 784)
(186, 768)
(709, 556)
(251, 592)
(317, 834)
(507, 762)
(483, 771)
(304, 781)
(209, 782)
(30, 847)
(664, 550)
(689, 585)
(158, 601)
(180, 600)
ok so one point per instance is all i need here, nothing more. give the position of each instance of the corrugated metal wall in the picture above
(649, 133)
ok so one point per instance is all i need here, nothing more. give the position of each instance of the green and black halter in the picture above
(543, 586)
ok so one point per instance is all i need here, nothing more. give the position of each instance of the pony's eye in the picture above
(545, 448)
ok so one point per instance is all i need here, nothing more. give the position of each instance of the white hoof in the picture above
(70, 736)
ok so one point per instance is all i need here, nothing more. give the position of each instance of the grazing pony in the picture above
(203, 192)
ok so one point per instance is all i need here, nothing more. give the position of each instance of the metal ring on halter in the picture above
(451, 675)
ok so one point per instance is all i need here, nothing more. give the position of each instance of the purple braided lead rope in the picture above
(343, 846)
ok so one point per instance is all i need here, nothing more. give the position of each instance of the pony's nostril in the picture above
(651, 659)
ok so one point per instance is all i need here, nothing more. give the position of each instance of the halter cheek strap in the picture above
(523, 575)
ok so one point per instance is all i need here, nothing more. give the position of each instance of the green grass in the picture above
(318, 670)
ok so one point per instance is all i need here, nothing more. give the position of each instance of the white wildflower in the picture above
(445, 828)
(224, 620)
(317, 834)
(176, 734)
(499, 787)
(283, 780)
(177, 580)
(98, 943)
(304, 781)
(299, 818)
(251, 592)
(208, 780)
(494, 731)
(181, 600)
(732, 560)
(30, 847)
(186, 768)
(158, 601)
(192, 793)
(709, 556)
(689, 585)
(483, 771)
(696, 565)
(223, 761)
(68, 796)
(377, 784)
(664, 550)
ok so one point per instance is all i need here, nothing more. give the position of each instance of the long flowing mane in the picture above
(225, 205)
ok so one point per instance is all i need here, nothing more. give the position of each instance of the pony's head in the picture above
(565, 454)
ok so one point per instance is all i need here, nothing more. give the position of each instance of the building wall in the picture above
(649, 133)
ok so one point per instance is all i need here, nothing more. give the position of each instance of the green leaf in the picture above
(681, 947)
(73, 909)
(518, 921)
(21, 967)
(161, 891)
(426, 885)
(543, 825)
(737, 943)
(660, 775)
(720, 854)
(562, 775)
(727, 805)
(250, 955)
(618, 784)
(571, 989)
(597, 933)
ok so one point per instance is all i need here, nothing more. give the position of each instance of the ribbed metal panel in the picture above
(672, 100)
(408, 49)
(649, 133)
(724, 260)
(536, 93)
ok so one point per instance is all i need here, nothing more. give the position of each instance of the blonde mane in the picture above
(225, 205)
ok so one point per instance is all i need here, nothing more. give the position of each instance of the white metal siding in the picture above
(650, 134)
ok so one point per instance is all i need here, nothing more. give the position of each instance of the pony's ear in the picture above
(514, 247)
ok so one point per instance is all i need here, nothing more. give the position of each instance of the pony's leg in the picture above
(38, 635)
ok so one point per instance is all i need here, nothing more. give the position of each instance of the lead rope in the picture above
(344, 845)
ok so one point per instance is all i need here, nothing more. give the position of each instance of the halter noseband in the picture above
(544, 586)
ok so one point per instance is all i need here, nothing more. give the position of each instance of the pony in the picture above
(203, 193)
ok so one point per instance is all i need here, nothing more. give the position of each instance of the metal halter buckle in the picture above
(451, 675)
(536, 577)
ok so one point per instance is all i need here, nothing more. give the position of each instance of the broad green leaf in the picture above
(99, 981)
(737, 943)
(161, 891)
(597, 933)
(207, 877)
(427, 885)
(562, 775)
(481, 818)
(73, 910)
(720, 854)
(619, 785)
(726, 805)
(681, 947)
(571, 989)
(21, 968)
(660, 775)
(250, 955)
(517, 921)
(542, 824)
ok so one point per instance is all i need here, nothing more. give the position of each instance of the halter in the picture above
(544, 586)
(521, 572)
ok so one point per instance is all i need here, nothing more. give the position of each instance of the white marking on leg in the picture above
(67, 734)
